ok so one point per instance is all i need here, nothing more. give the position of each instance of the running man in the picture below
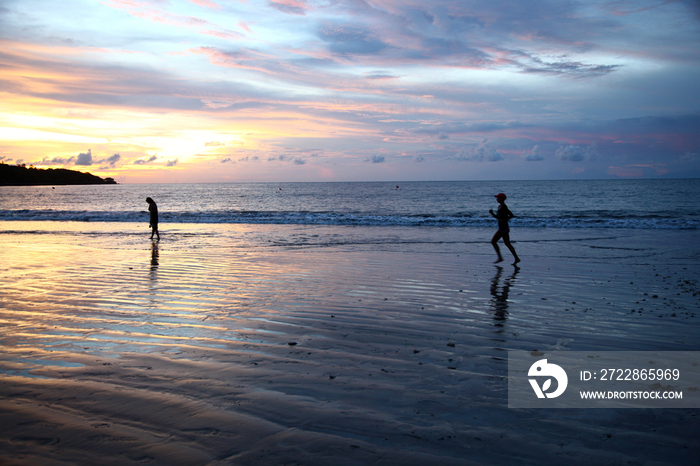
(503, 215)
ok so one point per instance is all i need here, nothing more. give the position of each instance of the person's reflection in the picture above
(153, 275)
(154, 257)
(499, 299)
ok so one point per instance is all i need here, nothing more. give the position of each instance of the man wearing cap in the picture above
(503, 215)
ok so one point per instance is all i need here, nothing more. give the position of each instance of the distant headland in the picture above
(21, 175)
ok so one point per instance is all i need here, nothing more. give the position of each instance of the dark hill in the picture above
(15, 175)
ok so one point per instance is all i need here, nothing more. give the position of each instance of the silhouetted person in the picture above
(503, 215)
(153, 209)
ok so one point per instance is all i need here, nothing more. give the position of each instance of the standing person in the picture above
(153, 209)
(503, 215)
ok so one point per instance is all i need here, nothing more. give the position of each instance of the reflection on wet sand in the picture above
(499, 299)
(153, 276)
(219, 354)
(154, 256)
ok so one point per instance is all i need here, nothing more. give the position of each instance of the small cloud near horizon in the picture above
(146, 160)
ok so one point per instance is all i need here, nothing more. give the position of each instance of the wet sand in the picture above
(169, 355)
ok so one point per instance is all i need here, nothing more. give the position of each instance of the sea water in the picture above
(594, 218)
(656, 204)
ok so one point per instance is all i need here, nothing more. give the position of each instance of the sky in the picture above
(351, 90)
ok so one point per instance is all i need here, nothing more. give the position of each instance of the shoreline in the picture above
(613, 246)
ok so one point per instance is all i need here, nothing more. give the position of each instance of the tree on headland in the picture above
(21, 175)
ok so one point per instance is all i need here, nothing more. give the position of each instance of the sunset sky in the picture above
(296, 90)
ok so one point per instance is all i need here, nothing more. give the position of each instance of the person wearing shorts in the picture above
(503, 215)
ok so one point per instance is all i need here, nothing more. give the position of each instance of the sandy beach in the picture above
(196, 350)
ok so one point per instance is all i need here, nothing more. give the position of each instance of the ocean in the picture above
(382, 215)
(647, 204)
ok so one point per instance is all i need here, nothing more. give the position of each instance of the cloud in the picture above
(284, 158)
(171, 163)
(56, 161)
(483, 152)
(84, 159)
(444, 130)
(381, 76)
(568, 68)
(350, 40)
(691, 157)
(375, 159)
(206, 4)
(533, 155)
(683, 124)
(226, 160)
(145, 161)
(112, 160)
(573, 153)
(291, 7)
(158, 12)
(570, 153)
